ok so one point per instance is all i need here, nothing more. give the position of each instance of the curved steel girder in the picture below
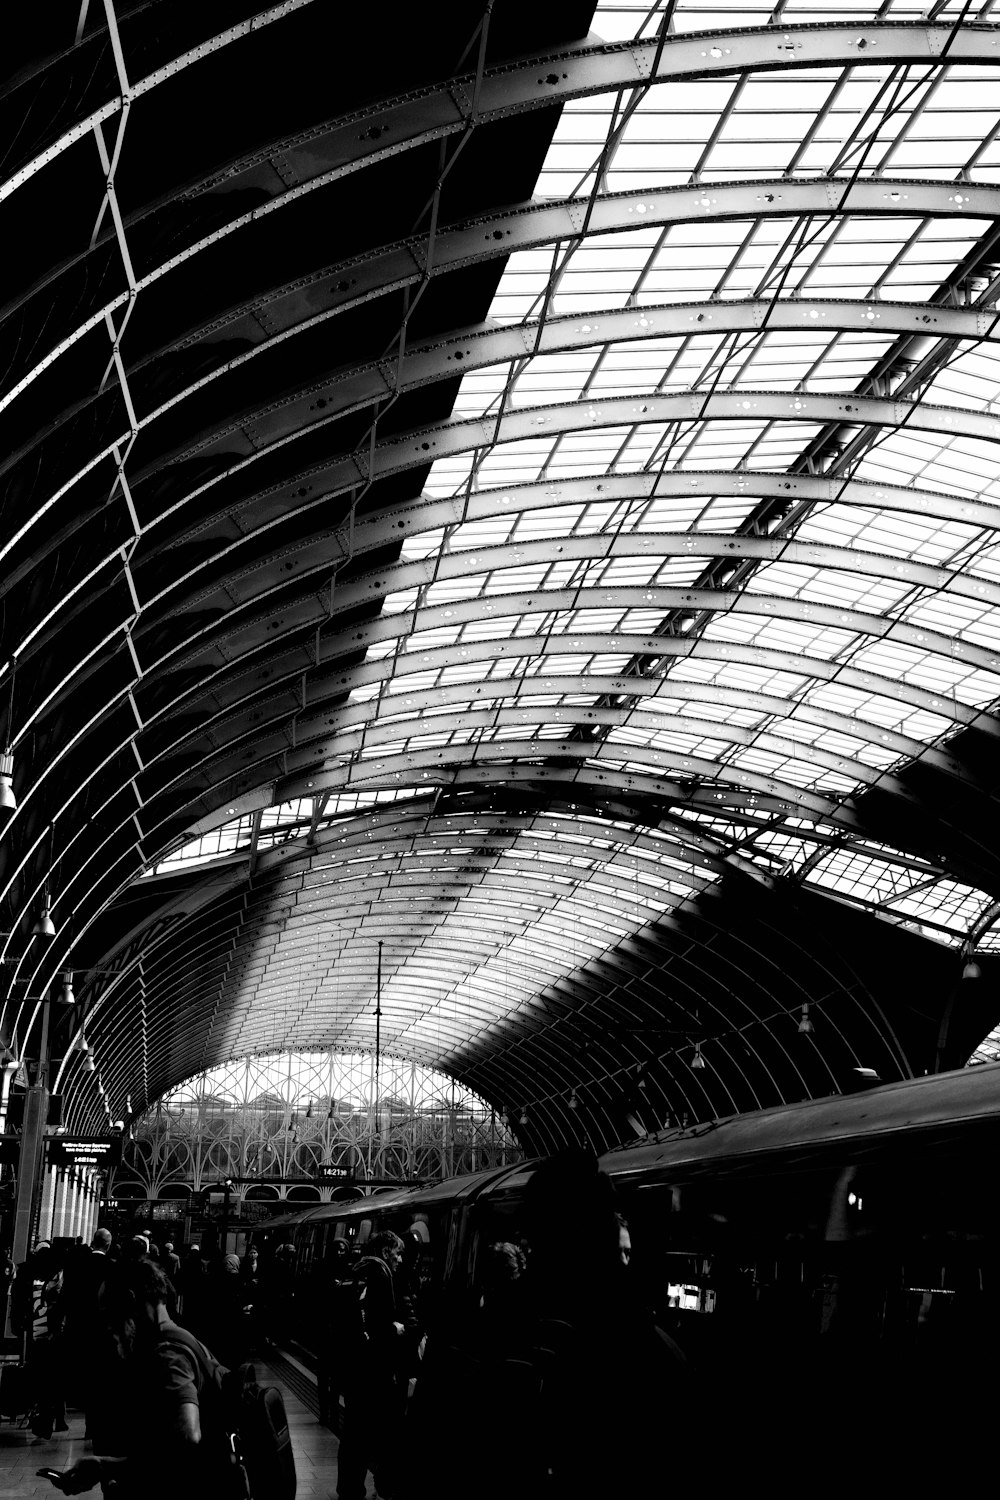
(614, 488)
(142, 86)
(417, 768)
(389, 860)
(592, 966)
(585, 62)
(714, 1017)
(465, 435)
(756, 1035)
(653, 545)
(385, 827)
(350, 723)
(658, 598)
(409, 575)
(584, 69)
(360, 726)
(353, 388)
(354, 283)
(295, 864)
(345, 744)
(691, 994)
(449, 439)
(605, 777)
(511, 90)
(357, 387)
(361, 386)
(369, 972)
(436, 659)
(234, 872)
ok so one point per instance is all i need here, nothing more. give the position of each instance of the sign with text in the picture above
(327, 1173)
(98, 1151)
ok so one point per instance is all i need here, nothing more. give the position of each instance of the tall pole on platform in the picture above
(378, 1019)
(373, 1117)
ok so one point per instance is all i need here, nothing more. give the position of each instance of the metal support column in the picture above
(36, 1113)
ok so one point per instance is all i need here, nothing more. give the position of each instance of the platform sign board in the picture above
(327, 1173)
(98, 1151)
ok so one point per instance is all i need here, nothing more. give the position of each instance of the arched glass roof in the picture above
(606, 513)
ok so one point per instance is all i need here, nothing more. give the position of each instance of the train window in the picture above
(695, 1298)
(364, 1231)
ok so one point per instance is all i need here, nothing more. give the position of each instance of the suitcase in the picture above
(16, 1390)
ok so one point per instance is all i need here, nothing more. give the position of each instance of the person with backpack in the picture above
(178, 1438)
(373, 1344)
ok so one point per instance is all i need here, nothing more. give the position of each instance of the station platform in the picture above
(315, 1447)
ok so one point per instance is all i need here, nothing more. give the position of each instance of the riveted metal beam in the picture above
(502, 606)
(224, 685)
(539, 83)
(359, 386)
(605, 775)
(314, 555)
(355, 387)
(163, 74)
(350, 284)
(449, 439)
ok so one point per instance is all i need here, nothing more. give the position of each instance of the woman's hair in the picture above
(386, 1239)
(502, 1263)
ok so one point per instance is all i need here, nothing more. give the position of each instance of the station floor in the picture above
(315, 1448)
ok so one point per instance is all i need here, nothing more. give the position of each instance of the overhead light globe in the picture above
(89, 1065)
(66, 995)
(698, 1061)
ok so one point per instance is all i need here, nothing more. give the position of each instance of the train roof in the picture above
(450, 1189)
(940, 1100)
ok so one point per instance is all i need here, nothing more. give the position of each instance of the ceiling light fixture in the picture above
(697, 1062)
(574, 1102)
(66, 995)
(44, 926)
(806, 1027)
(8, 801)
(89, 1065)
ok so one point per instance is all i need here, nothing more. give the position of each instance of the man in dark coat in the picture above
(373, 1374)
